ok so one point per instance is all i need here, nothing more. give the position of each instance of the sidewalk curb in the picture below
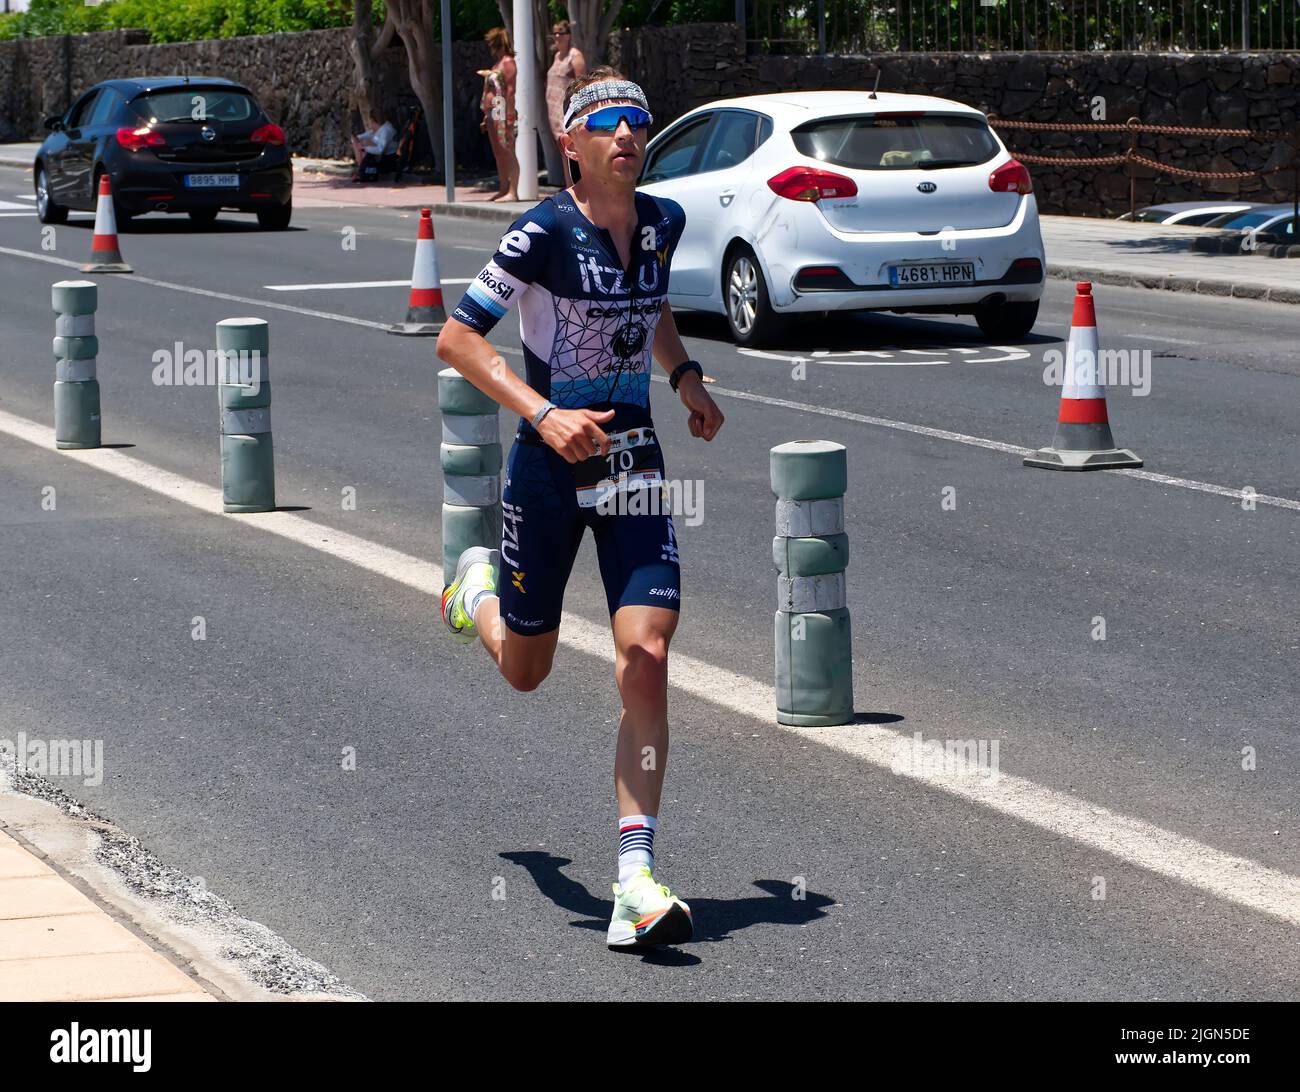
(91, 865)
(1246, 290)
(55, 908)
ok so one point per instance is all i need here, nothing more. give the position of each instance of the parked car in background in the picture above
(168, 144)
(813, 201)
(1270, 223)
(1187, 213)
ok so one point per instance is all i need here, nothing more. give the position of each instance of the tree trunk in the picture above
(366, 49)
(592, 20)
(413, 20)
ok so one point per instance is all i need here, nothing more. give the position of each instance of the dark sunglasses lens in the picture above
(607, 120)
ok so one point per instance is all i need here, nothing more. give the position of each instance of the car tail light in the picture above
(269, 133)
(811, 184)
(135, 140)
(1011, 177)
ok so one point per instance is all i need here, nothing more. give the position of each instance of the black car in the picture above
(169, 144)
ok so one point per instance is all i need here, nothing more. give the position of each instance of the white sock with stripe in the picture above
(636, 846)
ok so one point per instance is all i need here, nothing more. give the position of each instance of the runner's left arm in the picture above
(705, 417)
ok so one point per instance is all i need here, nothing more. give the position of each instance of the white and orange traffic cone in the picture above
(104, 253)
(1083, 438)
(425, 315)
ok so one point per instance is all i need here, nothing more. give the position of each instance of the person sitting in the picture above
(374, 144)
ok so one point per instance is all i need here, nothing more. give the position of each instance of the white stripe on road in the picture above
(1174, 856)
(997, 445)
(29, 212)
(12, 205)
(802, 407)
(355, 284)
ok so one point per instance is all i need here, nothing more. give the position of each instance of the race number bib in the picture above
(630, 464)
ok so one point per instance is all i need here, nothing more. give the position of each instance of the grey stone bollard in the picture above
(471, 467)
(814, 643)
(244, 385)
(76, 386)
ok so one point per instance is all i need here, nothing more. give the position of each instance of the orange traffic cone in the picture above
(425, 315)
(1083, 438)
(104, 253)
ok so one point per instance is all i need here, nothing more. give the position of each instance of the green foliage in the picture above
(179, 20)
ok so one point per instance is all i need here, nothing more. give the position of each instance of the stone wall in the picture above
(304, 82)
(683, 67)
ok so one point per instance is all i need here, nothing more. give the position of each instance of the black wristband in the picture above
(681, 370)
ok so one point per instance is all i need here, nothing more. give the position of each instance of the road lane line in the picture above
(1184, 860)
(802, 407)
(995, 445)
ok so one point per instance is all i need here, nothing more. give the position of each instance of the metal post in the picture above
(1132, 170)
(1245, 26)
(821, 27)
(525, 78)
(448, 128)
(76, 388)
(814, 643)
(247, 454)
(471, 467)
(740, 19)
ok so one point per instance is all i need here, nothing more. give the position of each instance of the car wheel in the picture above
(275, 219)
(203, 217)
(744, 292)
(1007, 321)
(47, 211)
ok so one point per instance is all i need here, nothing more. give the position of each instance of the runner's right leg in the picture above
(542, 527)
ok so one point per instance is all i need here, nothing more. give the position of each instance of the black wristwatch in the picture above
(681, 370)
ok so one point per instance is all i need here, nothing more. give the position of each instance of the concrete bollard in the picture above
(76, 388)
(247, 454)
(814, 642)
(471, 467)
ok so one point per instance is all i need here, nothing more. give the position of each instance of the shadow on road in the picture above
(715, 919)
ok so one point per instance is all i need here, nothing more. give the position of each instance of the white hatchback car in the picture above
(818, 201)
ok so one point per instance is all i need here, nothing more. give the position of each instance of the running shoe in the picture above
(475, 571)
(647, 913)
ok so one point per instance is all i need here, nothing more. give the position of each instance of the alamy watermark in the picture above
(83, 758)
(660, 497)
(946, 757)
(1107, 367)
(181, 367)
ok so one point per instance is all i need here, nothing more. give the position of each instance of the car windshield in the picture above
(196, 104)
(1153, 216)
(1237, 220)
(873, 142)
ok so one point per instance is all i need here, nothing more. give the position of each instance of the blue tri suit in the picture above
(587, 327)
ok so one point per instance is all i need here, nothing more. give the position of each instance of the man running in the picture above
(588, 268)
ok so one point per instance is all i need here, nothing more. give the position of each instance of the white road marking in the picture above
(803, 407)
(25, 196)
(28, 212)
(1165, 853)
(355, 284)
(994, 445)
(882, 358)
(12, 205)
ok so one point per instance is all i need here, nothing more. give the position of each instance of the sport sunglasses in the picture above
(606, 119)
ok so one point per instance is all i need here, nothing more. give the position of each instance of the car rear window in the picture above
(196, 104)
(874, 142)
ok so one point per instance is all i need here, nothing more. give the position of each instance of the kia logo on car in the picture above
(926, 187)
(211, 134)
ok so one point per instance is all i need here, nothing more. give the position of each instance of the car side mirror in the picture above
(54, 124)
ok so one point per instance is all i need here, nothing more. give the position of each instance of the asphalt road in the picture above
(223, 755)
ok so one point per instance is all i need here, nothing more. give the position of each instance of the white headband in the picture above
(604, 91)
